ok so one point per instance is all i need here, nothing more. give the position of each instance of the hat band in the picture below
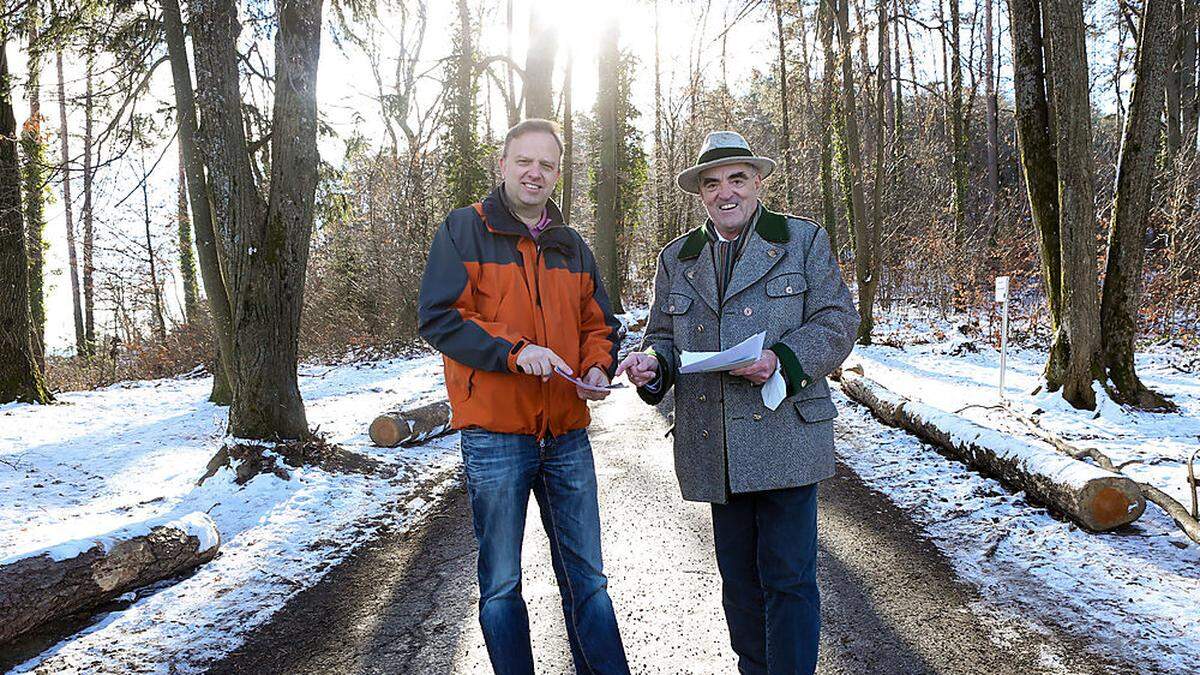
(722, 153)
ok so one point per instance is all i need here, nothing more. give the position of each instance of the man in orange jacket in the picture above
(510, 295)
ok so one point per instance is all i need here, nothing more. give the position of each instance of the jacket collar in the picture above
(771, 226)
(500, 220)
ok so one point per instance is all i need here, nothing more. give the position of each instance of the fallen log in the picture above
(414, 425)
(1096, 499)
(58, 581)
(249, 459)
(1186, 521)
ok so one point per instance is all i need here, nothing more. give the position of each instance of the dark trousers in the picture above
(767, 553)
(502, 469)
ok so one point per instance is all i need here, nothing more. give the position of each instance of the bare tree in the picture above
(785, 141)
(539, 67)
(607, 190)
(1120, 301)
(69, 208)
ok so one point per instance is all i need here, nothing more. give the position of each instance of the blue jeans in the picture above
(501, 471)
(767, 552)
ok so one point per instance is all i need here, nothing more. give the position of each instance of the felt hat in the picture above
(721, 148)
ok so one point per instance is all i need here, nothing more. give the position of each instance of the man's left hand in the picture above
(761, 370)
(596, 377)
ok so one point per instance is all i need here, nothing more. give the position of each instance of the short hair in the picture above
(532, 125)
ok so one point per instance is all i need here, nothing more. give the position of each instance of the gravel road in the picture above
(405, 603)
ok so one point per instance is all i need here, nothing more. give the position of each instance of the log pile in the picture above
(59, 581)
(414, 425)
(1095, 498)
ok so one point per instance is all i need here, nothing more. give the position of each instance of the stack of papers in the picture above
(742, 354)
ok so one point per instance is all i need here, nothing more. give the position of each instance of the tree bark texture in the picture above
(33, 151)
(827, 122)
(20, 377)
(539, 68)
(199, 199)
(568, 161)
(957, 125)
(263, 243)
(993, 141)
(187, 259)
(68, 208)
(1075, 359)
(607, 181)
(1096, 499)
(89, 231)
(785, 141)
(864, 252)
(1121, 297)
(40, 588)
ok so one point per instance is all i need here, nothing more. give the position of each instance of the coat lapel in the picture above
(756, 260)
(703, 277)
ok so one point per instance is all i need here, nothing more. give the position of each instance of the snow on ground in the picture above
(112, 458)
(1135, 592)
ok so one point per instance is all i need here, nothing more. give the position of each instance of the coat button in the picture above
(704, 433)
(786, 290)
(702, 398)
(700, 329)
(803, 383)
(757, 417)
(772, 253)
(747, 311)
(672, 307)
(691, 274)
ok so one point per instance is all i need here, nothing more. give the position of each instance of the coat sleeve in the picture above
(660, 338)
(599, 330)
(446, 315)
(826, 334)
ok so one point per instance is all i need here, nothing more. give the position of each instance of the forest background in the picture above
(941, 143)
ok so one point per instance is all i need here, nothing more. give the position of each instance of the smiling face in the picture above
(730, 194)
(530, 169)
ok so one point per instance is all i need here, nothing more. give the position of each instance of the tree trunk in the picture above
(187, 259)
(202, 215)
(33, 147)
(1075, 358)
(160, 322)
(568, 161)
(860, 221)
(785, 141)
(607, 189)
(42, 587)
(1096, 499)
(20, 378)
(68, 209)
(1035, 139)
(993, 141)
(827, 122)
(1189, 113)
(410, 425)
(89, 233)
(1121, 298)
(539, 68)
(1174, 85)
(959, 150)
(265, 243)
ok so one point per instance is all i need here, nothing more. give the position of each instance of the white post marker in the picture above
(1002, 297)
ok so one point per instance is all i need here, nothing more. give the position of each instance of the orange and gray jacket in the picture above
(490, 289)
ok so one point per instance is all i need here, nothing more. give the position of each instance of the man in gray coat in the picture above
(755, 458)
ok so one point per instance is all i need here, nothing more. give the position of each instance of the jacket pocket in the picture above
(676, 304)
(816, 410)
(784, 285)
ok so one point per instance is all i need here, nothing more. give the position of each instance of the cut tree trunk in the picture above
(414, 425)
(1096, 499)
(72, 577)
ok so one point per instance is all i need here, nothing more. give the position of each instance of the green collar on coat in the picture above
(771, 226)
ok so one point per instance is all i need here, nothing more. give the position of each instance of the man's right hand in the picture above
(535, 360)
(640, 368)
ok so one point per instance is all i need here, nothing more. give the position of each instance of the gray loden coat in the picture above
(786, 283)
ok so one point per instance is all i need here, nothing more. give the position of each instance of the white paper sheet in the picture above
(742, 354)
